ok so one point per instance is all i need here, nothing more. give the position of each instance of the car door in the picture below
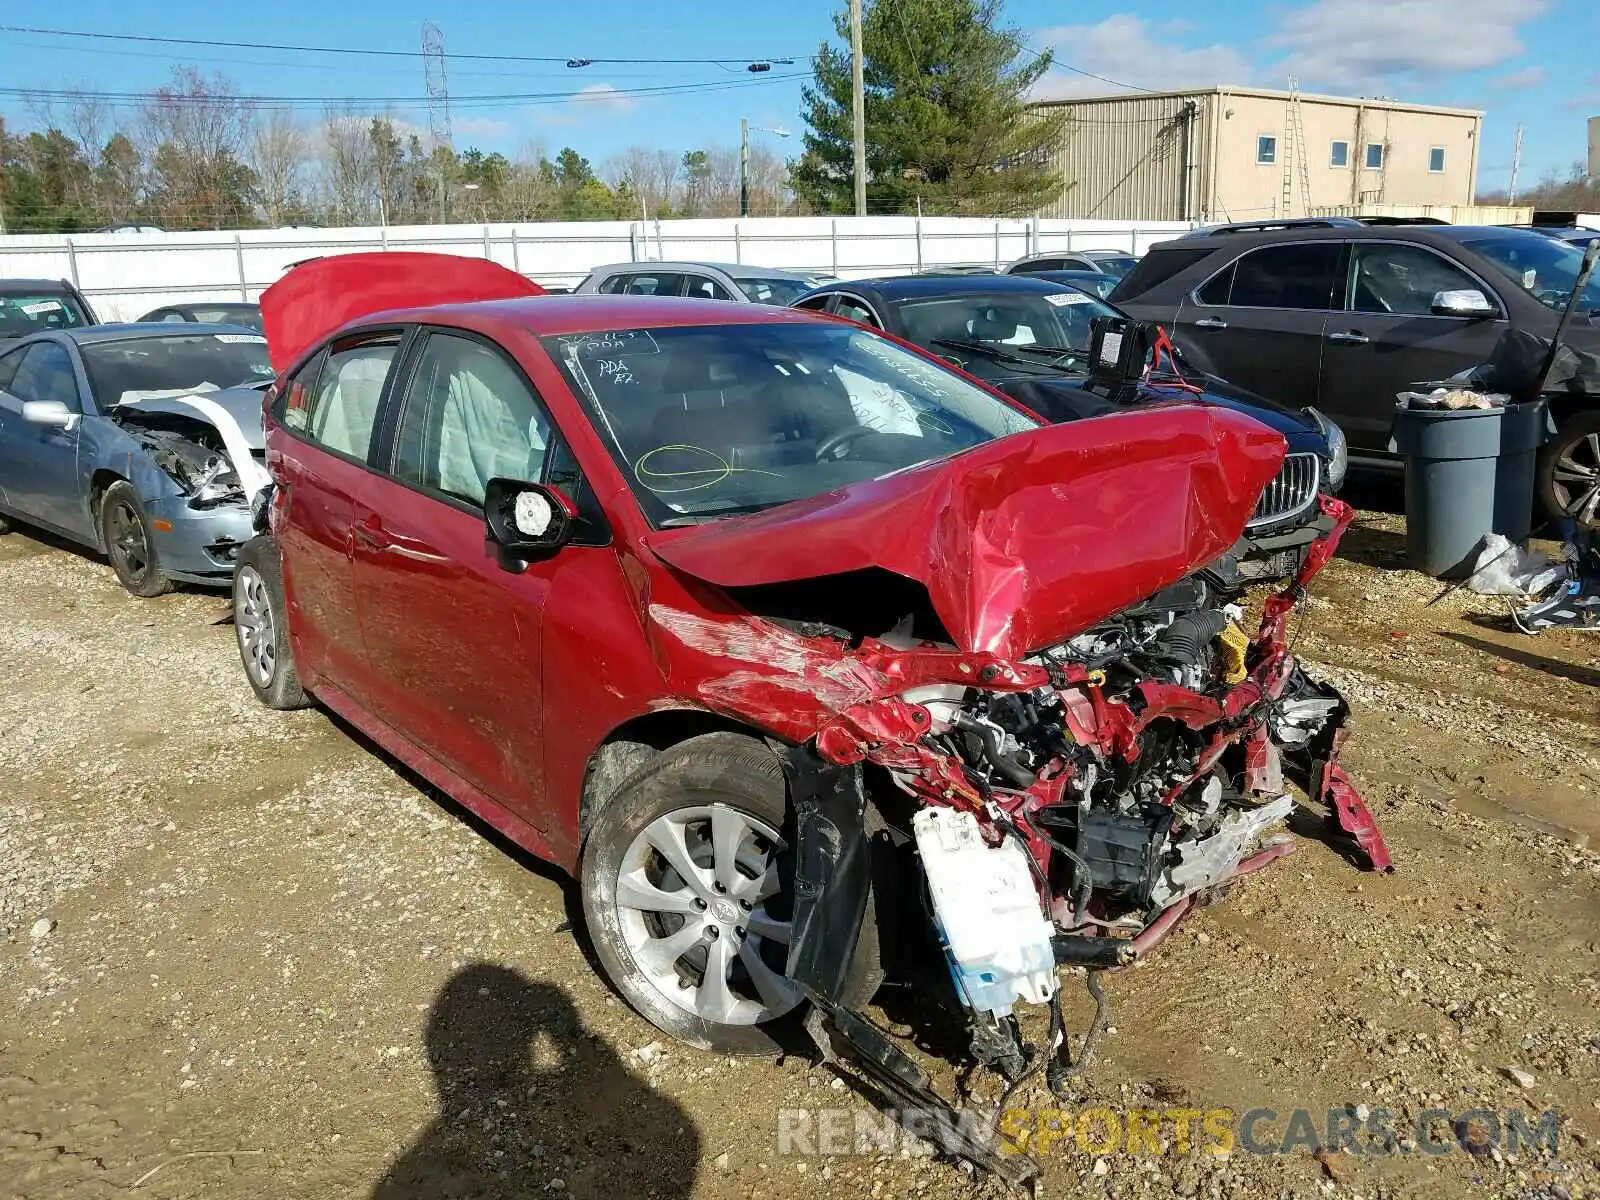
(452, 629)
(38, 462)
(9, 362)
(1387, 338)
(704, 287)
(329, 408)
(1258, 322)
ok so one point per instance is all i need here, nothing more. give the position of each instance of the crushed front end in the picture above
(1068, 808)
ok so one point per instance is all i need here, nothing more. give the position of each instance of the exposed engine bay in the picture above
(209, 450)
(1067, 810)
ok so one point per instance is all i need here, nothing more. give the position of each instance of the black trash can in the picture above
(1469, 471)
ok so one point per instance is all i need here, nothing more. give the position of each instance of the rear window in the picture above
(22, 313)
(1155, 268)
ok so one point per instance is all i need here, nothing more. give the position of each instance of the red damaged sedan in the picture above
(815, 660)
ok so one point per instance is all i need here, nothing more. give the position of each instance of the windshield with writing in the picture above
(1543, 267)
(174, 364)
(1044, 330)
(710, 421)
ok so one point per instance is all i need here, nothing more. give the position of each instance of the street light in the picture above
(744, 159)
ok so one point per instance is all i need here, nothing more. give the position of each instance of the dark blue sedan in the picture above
(139, 441)
(1029, 337)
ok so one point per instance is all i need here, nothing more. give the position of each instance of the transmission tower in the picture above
(438, 86)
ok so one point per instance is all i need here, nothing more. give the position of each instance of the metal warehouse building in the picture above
(1229, 154)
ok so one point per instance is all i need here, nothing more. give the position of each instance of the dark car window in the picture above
(344, 406)
(855, 310)
(1545, 268)
(703, 287)
(1118, 266)
(1040, 326)
(1294, 275)
(816, 303)
(22, 313)
(173, 363)
(1400, 279)
(8, 368)
(1156, 268)
(1034, 265)
(656, 283)
(248, 315)
(469, 417)
(708, 421)
(46, 374)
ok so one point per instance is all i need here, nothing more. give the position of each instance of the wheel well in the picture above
(99, 483)
(634, 743)
(1564, 407)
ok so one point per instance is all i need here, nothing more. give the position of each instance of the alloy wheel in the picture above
(129, 546)
(1577, 479)
(253, 622)
(692, 902)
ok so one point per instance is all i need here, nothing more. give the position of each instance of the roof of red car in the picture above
(565, 313)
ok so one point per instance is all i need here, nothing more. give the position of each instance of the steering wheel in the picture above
(830, 445)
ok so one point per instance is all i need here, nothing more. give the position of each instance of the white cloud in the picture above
(1528, 77)
(1359, 46)
(604, 97)
(480, 127)
(1130, 49)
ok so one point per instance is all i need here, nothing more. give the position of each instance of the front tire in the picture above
(125, 534)
(1569, 471)
(682, 899)
(261, 628)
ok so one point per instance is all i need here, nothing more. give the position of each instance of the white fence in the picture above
(126, 274)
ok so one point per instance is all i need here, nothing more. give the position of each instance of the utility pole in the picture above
(1516, 165)
(858, 108)
(744, 166)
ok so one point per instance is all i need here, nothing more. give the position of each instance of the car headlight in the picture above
(1338, 449)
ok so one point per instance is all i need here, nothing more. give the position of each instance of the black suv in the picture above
(1343, 314)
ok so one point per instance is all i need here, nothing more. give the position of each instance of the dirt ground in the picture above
(242, 954)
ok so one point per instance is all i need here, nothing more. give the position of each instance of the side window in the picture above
(1298, 275)
(1387, 278)
(614, 284)
(654, 284)
(1042, 264)
(170, 315)
(814, 304)
(703, 287)
(8, 368)
(292, 406)
(855, 310)
(1076, 264)
(469, 417)
(344, 405)
(46, 374)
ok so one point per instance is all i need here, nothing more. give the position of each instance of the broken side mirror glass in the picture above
(1465, 302)
(528, 520)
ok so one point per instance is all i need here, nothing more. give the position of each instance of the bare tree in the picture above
(197, 129)
(652, 175)
(278, 155)
(349, 168)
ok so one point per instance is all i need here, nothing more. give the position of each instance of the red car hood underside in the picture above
(322, 294)
(1022, 542)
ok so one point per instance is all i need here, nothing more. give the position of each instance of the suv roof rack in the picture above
(1280, 223)
(1402, 221)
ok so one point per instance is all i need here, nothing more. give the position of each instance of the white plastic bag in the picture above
(1503, 569)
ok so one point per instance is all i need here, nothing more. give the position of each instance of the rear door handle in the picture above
(372, 533)
(1350, 339)
(1210, 323)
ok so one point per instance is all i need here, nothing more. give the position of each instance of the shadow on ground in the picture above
(527, 1097)
(1535, 662)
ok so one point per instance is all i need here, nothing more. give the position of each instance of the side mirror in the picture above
(49, 412)
(1468, 302)
(528, 520)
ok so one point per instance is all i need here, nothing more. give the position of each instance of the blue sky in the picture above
(1520, 60)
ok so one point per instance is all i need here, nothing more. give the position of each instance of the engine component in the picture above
(1207, 861)
(986, 905)
(1121, 850)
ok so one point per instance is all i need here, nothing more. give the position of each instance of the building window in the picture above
(1266, 149)
(1436, 160)
(1374, 156)
(1339, 154)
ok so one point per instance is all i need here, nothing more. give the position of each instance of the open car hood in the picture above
(319, 295)
(1025, 541)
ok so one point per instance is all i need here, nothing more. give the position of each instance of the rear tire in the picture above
(5, 526)
(125, 534)
(261, 626)
(686, 946)
(1569, 471)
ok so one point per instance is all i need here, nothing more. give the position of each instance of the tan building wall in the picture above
(1197, 155)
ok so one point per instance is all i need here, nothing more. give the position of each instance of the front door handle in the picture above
(1210, 323)
(371, 533)
(1352, 338)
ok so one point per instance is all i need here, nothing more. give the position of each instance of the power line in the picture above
(376, 53)
(1065, 66)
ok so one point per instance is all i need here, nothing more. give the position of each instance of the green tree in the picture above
(696, 183)
(947, 115)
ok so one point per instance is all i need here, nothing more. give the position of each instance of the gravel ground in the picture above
(242, 954)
